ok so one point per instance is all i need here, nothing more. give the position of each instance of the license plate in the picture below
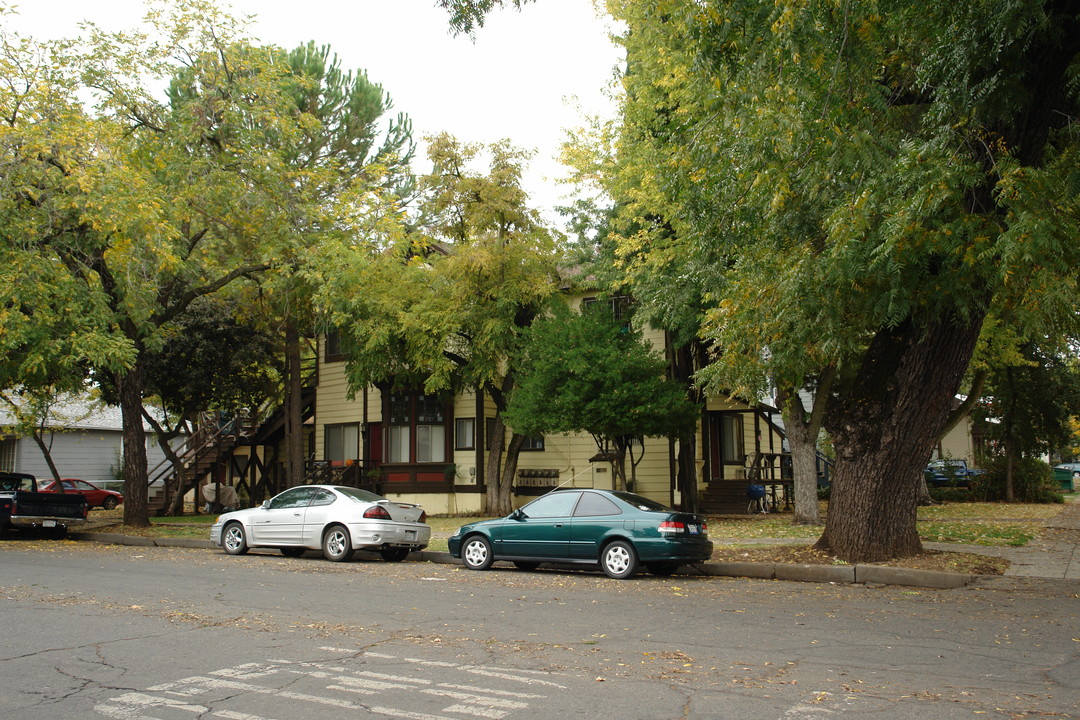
(694, 529)
(411, 534)
(48, 523)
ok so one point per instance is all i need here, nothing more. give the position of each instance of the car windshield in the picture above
(641, 503)
(358, 495)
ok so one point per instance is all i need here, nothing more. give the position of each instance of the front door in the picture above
(543, 530)
(282, 522)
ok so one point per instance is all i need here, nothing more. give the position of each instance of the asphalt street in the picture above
(110, 631)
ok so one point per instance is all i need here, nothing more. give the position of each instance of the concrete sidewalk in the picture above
(1053, 554)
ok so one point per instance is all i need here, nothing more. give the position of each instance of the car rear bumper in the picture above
(37, 521)
(390, 534)
(673, 550)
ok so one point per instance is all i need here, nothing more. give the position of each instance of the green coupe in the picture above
(616, 530)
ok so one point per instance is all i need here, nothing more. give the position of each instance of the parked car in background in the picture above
(95, 496)
(1067, 475)
(618, 531)
(333, 518)
(950, 472)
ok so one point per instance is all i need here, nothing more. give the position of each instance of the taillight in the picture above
(377, 512)
(670, 526)
(423, 517)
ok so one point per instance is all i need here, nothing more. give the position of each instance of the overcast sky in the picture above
(528, 75)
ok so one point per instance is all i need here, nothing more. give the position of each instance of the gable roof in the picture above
(71, 412)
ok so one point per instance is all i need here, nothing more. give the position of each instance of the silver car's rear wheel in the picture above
(337, 544)
(234, 540)
(619, 560)
(477, 553)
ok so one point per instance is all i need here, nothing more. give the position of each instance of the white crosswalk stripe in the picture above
(230, 693)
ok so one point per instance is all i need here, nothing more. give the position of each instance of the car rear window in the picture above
(641, 503)
(359, 495)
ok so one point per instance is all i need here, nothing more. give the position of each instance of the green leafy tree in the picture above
(133, 206)
(466, 16)
(344, 146)
(447, 307)
(1027, 409)
(588, 372)
(857, 185)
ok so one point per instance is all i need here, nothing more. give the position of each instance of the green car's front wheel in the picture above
(476, 552)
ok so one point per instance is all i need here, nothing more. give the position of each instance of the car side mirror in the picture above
(265, 505)
(518, 515)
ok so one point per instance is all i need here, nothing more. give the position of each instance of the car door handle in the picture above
(558, 524)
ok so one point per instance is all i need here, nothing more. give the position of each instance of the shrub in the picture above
(1033, 482)
(951, 494)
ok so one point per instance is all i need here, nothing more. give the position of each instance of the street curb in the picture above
(833, 574)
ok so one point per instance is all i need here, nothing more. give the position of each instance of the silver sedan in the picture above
(331, 518)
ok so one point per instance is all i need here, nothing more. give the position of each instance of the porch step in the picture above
(724, 497)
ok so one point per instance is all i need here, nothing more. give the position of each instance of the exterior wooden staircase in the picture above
(211, 444)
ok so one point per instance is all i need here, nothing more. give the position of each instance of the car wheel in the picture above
(477, 553)
(108, 503)
(618, 560)
(522, 565)
(663, 569)
(293, 551)
(337, 544)
(234, 539)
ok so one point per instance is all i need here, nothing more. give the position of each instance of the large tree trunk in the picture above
(802, 438)
(294, 413)
(497, 499)
(498, 484)
(884, 425)
(683, 362)
(686, 478)
(802, 431)
(509, 471)
(129, 386)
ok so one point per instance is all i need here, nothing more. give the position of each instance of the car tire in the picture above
(234, 539)
(662, 569)
(476, 552)
(293, 552)
(618, 560)
(337, 544)
(522, 565)
(108, 503)
(394, 554)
